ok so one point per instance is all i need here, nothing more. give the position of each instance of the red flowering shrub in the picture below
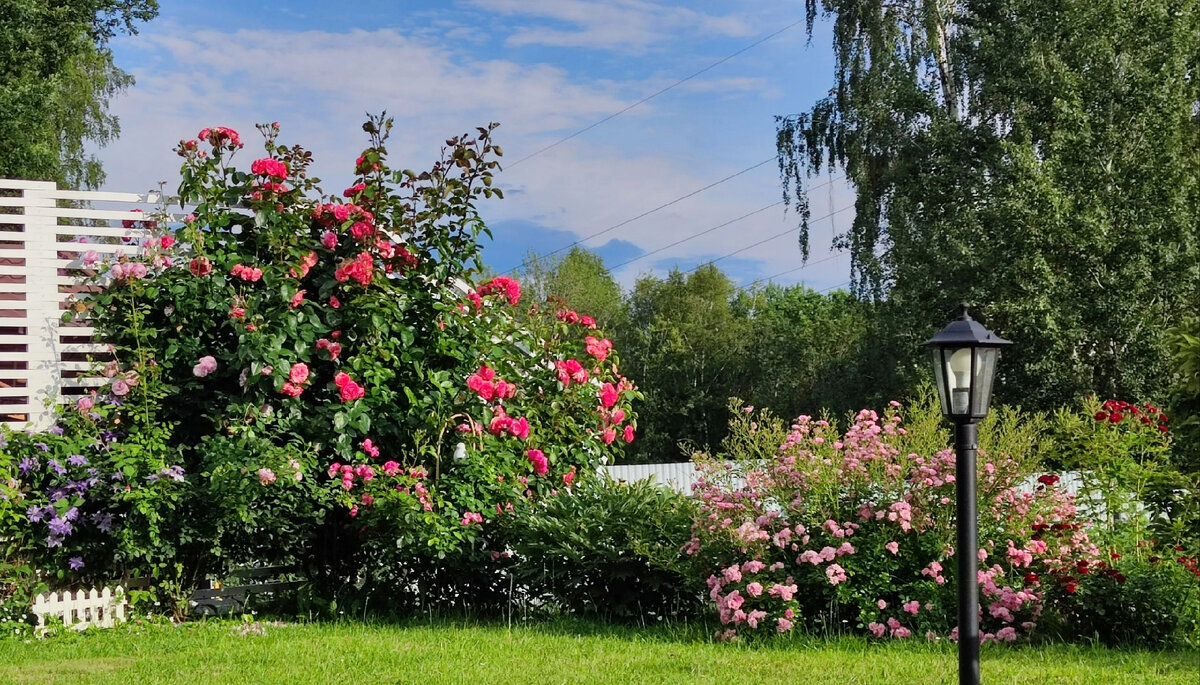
(406, 409)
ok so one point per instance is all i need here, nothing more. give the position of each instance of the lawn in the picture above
(558, 652)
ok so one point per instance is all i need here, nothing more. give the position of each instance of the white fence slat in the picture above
(51, 241)
(22, 184)
(82, 609)
(84, 382)
(49, 210)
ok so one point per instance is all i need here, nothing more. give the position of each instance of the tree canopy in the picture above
(56, 78)
(1038, 158)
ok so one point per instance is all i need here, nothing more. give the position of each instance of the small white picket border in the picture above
(81, 610)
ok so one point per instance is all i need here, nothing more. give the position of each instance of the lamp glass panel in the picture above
(939, 377)
(985, 372)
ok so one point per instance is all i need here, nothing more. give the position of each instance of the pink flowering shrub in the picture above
(853, 528)
(330, 381)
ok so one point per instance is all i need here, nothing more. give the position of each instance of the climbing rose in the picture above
(205, 366)
(608, 395)
(200, 266)
(299, 372)
(349, 390)
(538, 459)
(598, 348)
(505, 286)
(269, 167)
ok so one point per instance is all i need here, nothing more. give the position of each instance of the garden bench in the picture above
(220, 599)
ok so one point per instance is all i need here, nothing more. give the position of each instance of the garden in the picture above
(332, 387)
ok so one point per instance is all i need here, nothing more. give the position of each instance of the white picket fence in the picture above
(81, 610)
(44, 233)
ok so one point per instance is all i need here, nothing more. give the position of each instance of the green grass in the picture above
(558, 652)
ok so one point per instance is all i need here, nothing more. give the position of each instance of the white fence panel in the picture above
(81, 610)
(679, 476)
(42, 241)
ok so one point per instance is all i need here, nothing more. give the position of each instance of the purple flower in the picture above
(28, 464)
(59, 526)
(57, 467)
(117, 475)
(42, 446)
(71, 514)
(57, 430)
(104, 522)
(77, 460)
(175, 473)
(58, 494)
(54, 541)
(34, 514)
(75, 563)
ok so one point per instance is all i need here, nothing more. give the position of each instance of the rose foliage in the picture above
(311, 379)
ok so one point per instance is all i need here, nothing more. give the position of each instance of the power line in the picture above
(652, 211)
(795, 268)
(695, 235)
(764, 240)
(681, 81)
(834, 287)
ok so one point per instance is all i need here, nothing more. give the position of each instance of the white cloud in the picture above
(319, 84)
(609, 24)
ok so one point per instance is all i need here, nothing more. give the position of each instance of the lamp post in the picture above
(964, 364)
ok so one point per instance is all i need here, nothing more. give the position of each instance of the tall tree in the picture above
(685, 348)
(578, 281)
(56, 78)
(807, 352)
(1039, 158)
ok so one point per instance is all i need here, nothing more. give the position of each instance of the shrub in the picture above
(1138, 599)
(608, 549)
(854, 529)
(292, 374)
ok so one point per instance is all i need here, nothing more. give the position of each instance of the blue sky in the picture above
(543, 69)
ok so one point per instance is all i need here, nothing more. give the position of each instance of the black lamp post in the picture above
(964, 364)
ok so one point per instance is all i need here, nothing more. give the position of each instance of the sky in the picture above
(544, 70)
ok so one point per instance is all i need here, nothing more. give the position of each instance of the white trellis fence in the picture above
(80, 610)
(44, 234)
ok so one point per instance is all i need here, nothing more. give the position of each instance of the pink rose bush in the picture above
(856, 526)
(352, 337)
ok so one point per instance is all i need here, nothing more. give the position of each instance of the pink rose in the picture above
(205, 366)
(608, 395)
(352, 391)
(299, 373)
(539, 461)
